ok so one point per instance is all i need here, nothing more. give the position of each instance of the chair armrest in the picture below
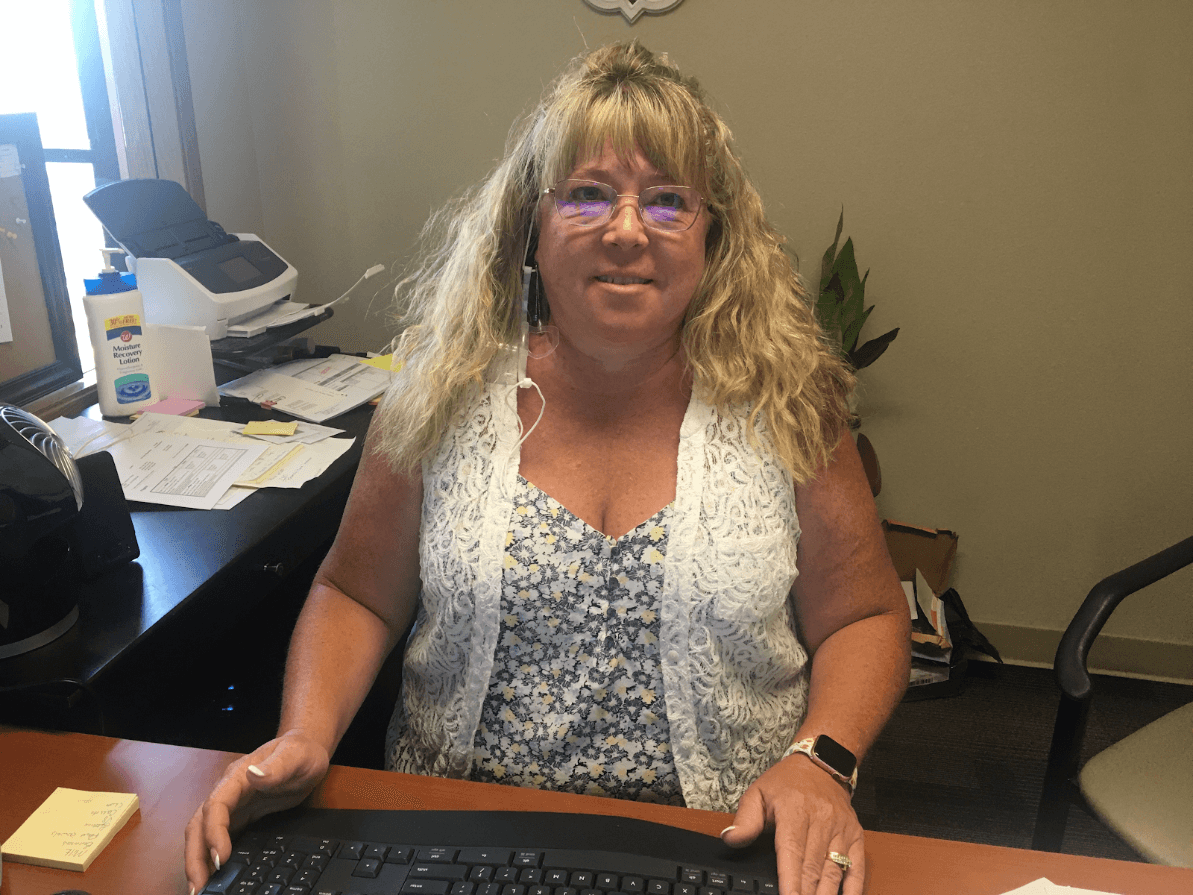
(1071, 656)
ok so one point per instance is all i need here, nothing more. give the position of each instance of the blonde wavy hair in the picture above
(749, 335)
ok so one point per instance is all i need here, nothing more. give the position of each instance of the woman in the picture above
(601, 547)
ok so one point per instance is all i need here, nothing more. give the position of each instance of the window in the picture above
(55, 46)
(109, 82)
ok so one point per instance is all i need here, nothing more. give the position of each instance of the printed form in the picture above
(180, 471)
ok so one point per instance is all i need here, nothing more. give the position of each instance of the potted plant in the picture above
(842, 311)
(840, 305)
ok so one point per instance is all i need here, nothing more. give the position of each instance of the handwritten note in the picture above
(70, 828)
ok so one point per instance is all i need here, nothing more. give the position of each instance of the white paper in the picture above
(180, 364)
(280, 313)
(10, 162)
(5, 320)
(179, 471)
(313, 390)
(313, 451)
(83, 435)
(306, 433)
(308, 461)
(1042, 886)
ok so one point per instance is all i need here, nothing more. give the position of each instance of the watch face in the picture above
(835, 755)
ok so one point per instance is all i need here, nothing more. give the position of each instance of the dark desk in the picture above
(198, 573)
(146, 855)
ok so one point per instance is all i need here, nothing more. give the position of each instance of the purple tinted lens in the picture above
(663, 214)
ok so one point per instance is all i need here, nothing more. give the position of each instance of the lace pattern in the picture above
(734, 672)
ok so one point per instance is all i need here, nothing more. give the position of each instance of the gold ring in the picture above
(842, 861)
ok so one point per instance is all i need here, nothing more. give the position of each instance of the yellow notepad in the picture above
(70, 828)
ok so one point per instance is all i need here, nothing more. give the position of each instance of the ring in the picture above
(842, 861)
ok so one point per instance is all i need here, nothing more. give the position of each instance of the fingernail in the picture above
(192, 890)
(253, 769)
(215, 859)
(727, 829)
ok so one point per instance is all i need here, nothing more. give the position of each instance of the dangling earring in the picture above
(542, 338)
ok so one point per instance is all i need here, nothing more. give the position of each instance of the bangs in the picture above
(663, 123)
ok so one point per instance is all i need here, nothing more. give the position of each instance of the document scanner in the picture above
(190, 272)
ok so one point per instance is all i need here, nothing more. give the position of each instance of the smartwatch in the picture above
(831, 756)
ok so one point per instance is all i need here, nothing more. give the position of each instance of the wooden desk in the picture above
(198, 570)
(146, 856)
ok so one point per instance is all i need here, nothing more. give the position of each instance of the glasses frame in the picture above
(647, 222)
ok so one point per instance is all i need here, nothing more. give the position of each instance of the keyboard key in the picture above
(743, 884)
(582, 879)
(437, 855)
(281, 875)
(768, 888)
(505, 875)
(307, 877)
(367, 868)
(491, 856)
(540, 890)
(426, 887)
(489, 889)
(686, 889)
(718, 880)
(709, 890)
(687, 875)
(454, 872)
(377, 851)
(315, 862)
(607, 881)
(634, 885)
(399, 855)
(463, 888)
(527, 858)
(531, 876)
(658, 887)
(481, 873)
(297, 890)
(222, 880)
(555, 877)
(513, 889)
(352, 850)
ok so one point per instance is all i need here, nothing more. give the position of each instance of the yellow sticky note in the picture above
(70, 828)
(270, 427)
(381, 362)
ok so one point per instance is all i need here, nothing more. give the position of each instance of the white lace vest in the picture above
(733, 668)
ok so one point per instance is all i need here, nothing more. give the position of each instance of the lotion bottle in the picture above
(116, 323)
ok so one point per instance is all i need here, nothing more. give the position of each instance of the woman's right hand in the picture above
(274, 777)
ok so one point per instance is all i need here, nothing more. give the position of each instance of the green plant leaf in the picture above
(830, 254)
(852, 329)
(872, 350)
(846, 267)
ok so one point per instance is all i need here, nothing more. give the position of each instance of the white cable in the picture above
(372, 271)
(527, 382)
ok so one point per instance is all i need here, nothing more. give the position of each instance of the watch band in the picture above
(809, 747)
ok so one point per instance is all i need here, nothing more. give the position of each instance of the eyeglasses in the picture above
(587, 203)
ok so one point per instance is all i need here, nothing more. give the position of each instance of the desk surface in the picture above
(146, 856)
(194, 566)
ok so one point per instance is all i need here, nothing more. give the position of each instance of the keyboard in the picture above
(358, 852)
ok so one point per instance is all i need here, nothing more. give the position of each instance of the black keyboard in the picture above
(348, 852)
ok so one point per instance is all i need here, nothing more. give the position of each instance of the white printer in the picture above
(189, 271)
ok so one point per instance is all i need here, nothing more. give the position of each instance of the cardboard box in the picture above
(938, 669)
(931, 550)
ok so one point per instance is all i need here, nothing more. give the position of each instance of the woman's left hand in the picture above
(811, 816)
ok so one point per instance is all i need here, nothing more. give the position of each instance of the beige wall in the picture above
(1016, 175)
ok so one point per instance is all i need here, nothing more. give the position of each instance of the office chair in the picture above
(1142, 786)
